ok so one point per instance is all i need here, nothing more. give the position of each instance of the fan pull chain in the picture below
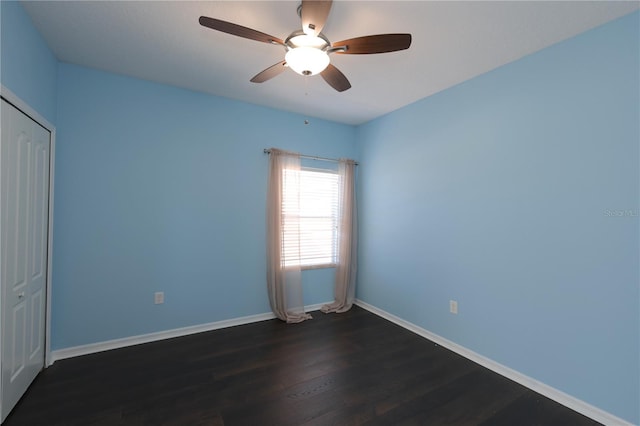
(306, 99)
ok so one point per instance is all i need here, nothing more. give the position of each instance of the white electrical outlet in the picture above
(159, 298)
(453, 306)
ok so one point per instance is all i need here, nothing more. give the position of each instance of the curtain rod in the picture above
(312, 157)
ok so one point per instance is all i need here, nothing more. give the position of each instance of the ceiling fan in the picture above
(308, 50)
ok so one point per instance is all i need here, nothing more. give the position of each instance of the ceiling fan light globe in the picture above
(307, 60)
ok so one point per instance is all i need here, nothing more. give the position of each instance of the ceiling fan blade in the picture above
(314, 14)
(381, 43)
(269, 73)
(334, 77)
(238, 30)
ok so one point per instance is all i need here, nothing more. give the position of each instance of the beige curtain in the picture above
(284, 284)
(345, 282)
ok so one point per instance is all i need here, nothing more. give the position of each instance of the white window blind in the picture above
(310, 216)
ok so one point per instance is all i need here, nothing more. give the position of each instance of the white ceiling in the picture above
(453, 41)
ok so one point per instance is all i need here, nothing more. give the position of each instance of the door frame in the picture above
(12, 98)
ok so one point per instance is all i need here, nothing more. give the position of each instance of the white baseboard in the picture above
(567, 400)
(317, 306)
(161, 335)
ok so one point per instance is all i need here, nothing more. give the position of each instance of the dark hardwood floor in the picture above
(338, 369)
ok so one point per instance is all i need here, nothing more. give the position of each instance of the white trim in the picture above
(316, 307)
(24, 107)
(569, 401)
(52, 162)
(153, 337)
(161, 335)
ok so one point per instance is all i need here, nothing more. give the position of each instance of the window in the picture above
(310, 217)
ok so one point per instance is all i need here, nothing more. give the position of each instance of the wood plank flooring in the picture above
(339, 369)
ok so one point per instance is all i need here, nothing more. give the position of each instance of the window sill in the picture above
(324, 266)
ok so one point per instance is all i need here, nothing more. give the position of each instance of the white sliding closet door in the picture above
(24, 189)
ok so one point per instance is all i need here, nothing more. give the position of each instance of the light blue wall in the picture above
(27, 66)
(163, 189)
(499, 193)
